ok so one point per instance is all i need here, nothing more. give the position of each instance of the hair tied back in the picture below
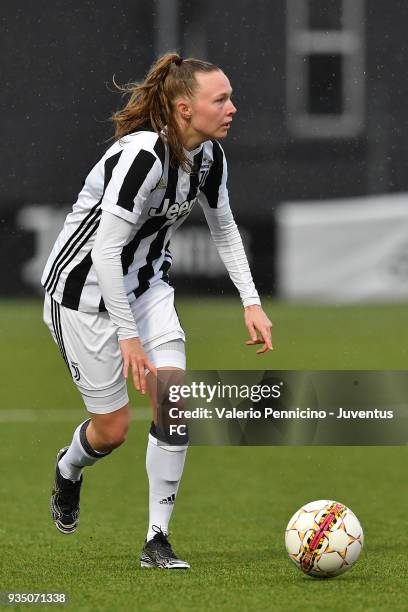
(151, 102)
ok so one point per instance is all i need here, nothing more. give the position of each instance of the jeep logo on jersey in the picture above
(172, 211)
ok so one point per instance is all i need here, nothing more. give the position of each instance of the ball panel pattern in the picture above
(324, 538)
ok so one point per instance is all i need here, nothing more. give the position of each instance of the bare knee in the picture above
(114, 437)
(108, 431)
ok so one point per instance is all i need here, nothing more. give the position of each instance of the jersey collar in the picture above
(193, 152)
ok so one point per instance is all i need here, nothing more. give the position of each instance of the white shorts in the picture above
(89, 344)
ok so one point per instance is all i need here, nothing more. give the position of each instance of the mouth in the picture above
(226, 125)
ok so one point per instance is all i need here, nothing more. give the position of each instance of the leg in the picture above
(156, 317)
(93, 439)
(164, 466)
(108, 431)
(97, 372)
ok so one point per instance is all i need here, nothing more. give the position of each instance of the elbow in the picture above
(227, 233)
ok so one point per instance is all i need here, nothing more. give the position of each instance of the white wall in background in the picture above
(344, 250)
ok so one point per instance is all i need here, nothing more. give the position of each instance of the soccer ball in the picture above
(324, 538)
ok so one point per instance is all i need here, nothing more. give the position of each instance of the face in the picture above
(211, 111)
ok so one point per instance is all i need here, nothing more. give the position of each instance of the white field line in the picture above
(29, 415)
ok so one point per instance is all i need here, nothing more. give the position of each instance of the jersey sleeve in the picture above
(214, 201)
(135, 175)
(113, 233)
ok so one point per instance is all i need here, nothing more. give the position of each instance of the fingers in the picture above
(141, 376)
(267, 346)
(150, 367)
(138, 376)
(252, 332)
(263, 350)
(125, 367)
(266, 340)
(135, 373)
(139, 364)
(135, 358)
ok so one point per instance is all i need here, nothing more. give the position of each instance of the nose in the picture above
(232, 109)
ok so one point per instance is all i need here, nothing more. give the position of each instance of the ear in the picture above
(184, 109)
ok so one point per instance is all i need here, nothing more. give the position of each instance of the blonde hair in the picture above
(151, 102)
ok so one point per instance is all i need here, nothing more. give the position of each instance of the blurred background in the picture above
(317, 153)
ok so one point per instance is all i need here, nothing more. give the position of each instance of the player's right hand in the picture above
(135, 357)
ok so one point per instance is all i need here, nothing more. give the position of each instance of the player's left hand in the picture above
(259, 328)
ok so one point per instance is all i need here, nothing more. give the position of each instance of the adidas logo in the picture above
(168, 500)
(161, 184)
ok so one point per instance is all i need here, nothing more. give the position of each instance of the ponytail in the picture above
(151, 102)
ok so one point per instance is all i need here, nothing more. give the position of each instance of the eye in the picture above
(223, 98)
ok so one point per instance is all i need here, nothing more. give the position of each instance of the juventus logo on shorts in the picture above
(76, 375)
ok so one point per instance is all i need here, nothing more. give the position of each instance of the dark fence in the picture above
(27, 234)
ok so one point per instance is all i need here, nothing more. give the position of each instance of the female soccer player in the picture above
(108, 303)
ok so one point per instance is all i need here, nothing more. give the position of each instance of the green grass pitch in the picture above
(234, 502)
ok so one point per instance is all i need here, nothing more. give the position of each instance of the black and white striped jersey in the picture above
(133, 180)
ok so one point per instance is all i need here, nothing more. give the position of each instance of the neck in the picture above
(190, 138)
(193, 141)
